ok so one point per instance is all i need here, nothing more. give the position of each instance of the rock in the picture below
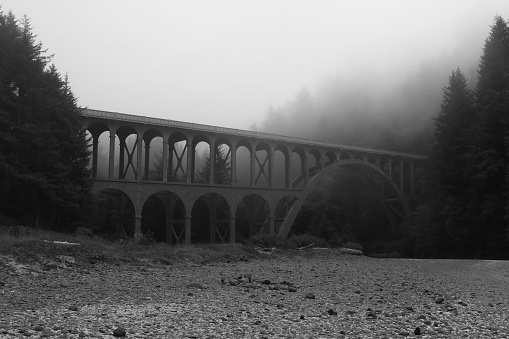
(196, 285)
(292, 289)
(302, 317)
(266, 282)
(332, 312)
(372, 315)
(50, 266)
(38, 328)
(404, 333)
(119, 332)
(409, 308)
(310, 296)
(439, 300)
(417, 331)
(233, 282)
(73, 308)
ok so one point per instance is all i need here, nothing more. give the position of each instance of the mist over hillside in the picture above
(370, 106)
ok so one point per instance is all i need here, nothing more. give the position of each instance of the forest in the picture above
(457, 118)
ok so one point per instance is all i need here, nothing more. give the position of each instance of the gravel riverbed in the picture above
(307, 294)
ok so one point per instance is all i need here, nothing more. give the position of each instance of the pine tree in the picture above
(489, 157)
(43, 146)
(222, 168)
(454, 131)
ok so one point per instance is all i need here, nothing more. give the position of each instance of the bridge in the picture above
(256, 183)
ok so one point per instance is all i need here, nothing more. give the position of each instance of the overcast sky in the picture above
(224, 62)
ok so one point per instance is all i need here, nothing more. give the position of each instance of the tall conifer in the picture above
(43, 147)
(489, 157)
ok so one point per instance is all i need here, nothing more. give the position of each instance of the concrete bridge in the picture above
(256, 184)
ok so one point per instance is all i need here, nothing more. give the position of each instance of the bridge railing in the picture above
(88, 112)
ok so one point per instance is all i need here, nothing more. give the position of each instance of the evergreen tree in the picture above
(43, 147)
(489, 157)
(222, 168)
(454, 131)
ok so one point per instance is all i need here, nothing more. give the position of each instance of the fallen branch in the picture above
(64, 243)
(307, 246)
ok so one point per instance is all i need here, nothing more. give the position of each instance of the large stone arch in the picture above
(352, 163)
(126, 212)
(211, 216)
(253, 216)
(166, 222)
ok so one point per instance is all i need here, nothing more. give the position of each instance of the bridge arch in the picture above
(350, 163)
(164, 213)
(125, 212)
(252, 216)
(211, 219)
(331, 157)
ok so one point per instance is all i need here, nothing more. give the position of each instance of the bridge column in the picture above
(305, 168)
(252, 165)
(212, 157)
(137, 228)
(188, 230)
(139, 141)
(412, 183)
(232, 230)
(271, 166)
(401, 182)
(147, 161)
(121, 158)
(212, 226)
(165, 159)
(288, 170)
(271, 225)
(233, 164)
(168, 224)
(111, 157)
(190, 161)
(95, 148)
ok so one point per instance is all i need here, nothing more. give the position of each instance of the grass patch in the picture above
(41, 246)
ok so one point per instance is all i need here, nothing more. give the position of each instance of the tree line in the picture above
(466, 209)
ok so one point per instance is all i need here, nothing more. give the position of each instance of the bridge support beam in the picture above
(165, 159)
(233, 165)
(188, 230)
(137, 228)
(412, 183)
(111, 159)
(232, 230)
(212, 157)
(190, 161)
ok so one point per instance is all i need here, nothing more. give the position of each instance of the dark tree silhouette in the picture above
(43, 147)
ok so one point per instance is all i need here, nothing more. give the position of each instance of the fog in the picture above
(226, 62)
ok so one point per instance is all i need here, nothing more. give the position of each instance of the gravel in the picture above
(306, 294)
